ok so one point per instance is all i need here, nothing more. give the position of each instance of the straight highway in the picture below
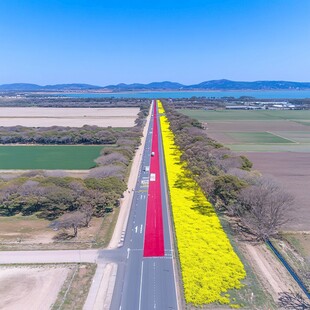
(146, 278)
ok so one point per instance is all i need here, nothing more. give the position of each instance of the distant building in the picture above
(242, 107)
(263, 105)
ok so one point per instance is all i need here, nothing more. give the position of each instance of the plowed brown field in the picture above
(293, 171)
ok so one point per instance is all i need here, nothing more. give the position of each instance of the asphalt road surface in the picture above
(154, 231)
(146, 282)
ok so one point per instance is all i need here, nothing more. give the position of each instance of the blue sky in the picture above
(108, 42)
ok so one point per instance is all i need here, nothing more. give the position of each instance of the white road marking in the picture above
(141, 279)
(128, 252)
(154, 265)
(141, 227)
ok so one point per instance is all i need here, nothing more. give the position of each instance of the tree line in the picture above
(61, 135)
(50, 197)
(33, 100)
(257, 206)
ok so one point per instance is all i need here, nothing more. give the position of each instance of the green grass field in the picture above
(49, 157)
(228, 115)
(296, 136)
(257, 137)
(301, 148)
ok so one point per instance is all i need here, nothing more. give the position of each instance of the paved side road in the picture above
(126, 201)
(45, 257)
(101, 290)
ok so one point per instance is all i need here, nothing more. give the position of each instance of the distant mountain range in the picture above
(57, 87)
(166, 85)
(156, 86)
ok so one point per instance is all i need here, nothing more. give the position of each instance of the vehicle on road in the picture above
(146, 168)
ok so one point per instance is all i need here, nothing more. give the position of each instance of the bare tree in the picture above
(107, 171)
(195, 131)
(262, 209)
(72, 220)
(251, 177)
(92, 202)
(111, 159)
(33, 173)
(30, 187)
(55, 173)
(225, 159)
(78, 187)
(87, 210)
(207, 185)
(293, 301)
(125, 141)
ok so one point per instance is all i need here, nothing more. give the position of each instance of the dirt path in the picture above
(30, 288)
(272, 273)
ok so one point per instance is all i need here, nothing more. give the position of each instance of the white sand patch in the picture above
(73, 117)
(30, 288)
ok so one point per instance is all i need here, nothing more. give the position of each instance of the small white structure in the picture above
(152, 177)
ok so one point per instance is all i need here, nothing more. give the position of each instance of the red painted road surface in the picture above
(154, 232)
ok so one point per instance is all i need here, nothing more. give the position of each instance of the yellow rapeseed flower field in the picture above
(210, 267)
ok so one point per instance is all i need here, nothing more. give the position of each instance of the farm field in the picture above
(229, 115)
(73, 117)
(292, 170)
(278, 144)
(257, 137)
(258, 131)
(73, 157)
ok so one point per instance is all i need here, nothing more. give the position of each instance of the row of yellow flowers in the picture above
(209, 265)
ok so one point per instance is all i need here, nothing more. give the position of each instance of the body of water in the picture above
(288, 94)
